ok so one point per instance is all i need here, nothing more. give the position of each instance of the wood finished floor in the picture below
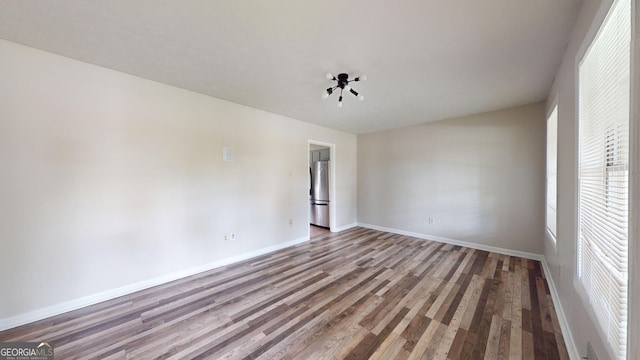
(315, 231)
(357, 294)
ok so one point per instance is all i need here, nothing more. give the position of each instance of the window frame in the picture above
(580, 287)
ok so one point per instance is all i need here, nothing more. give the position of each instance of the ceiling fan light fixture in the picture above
(343, 84)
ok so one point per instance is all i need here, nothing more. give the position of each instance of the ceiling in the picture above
(426, 60)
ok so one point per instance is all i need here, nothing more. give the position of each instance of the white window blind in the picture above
(552, 170)
(604, 91)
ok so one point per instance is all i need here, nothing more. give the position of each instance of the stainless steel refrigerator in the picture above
(320, 193)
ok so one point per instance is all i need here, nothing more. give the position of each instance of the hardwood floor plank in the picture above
(469, 314)
(474, 326)
(493, 341)
(505, 333)
(289, 345)
(515, 338)
(391, 348)
(456, 303)
(447, 341)
(485, 323)
(344, 336)
(430, 352)
(524, 286)
(469, 345)
(424, 340)
(527, 345)
(500, 296)
(455, 350)
(372, 341)
(414, 331)
(557, 331)
(356, 294)
(545, 311)
(508, 296)
(536, 319)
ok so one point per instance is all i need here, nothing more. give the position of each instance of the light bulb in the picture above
(347, 88)
(339, 104)
(330, 76)
(360, 97)
(363, 77)
(325, 95)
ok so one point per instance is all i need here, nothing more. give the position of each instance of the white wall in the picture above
(480, 177)
(563, 260)
(107, 179)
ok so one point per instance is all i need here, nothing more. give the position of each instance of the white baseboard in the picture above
(43, 313)
(562, 318)
(343, 228)
(523, 254)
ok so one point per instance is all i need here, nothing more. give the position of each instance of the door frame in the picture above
(332, 178)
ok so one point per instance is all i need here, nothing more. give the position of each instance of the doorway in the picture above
(322, 185)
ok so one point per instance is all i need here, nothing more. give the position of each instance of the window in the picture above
(603, 231)
(552, 171)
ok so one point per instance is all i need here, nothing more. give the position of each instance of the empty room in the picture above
(319, 180)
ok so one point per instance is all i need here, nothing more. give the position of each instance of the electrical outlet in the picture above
(225, 237)
(432, 221)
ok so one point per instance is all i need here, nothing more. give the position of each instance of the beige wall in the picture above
(107, 179)
(480, 177)
(563, 259)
